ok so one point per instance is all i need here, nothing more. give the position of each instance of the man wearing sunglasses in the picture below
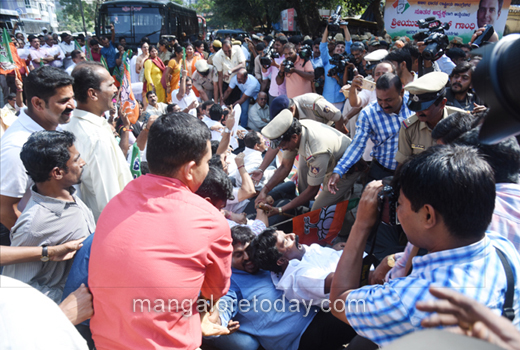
(428, 101)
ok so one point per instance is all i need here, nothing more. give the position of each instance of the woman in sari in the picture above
(172, 72)
(153, 72)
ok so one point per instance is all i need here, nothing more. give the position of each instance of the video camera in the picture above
(340, 61)
(496, 83)
(269, 54)
(483, 38)
(388, 202)
(287, 65)
(434, 37)
(305, 53)
(336, 20)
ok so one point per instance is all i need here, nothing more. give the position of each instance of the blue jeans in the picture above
(235, 341)
(244, 114)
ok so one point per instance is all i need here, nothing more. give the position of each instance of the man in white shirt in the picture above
(184, 96)
(77, 57)
(50, 101)
(249, 86)
(214, 120)
(256, 144)
(228, 62)
(154, 107)
(67, 46)
(55, 51)
(106, 172)
(303, 272)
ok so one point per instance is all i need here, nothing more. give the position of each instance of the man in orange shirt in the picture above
(158, 245)
(298, 79)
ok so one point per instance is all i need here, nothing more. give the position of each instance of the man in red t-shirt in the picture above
(157, 245)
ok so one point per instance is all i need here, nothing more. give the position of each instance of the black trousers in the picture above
(326, 332)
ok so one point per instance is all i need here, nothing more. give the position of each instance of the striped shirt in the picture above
(505, 221)
(383, 313)
(382, 129)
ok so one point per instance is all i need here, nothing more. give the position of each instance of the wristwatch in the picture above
(226, 130)
(45, 254)
(229, 72)
(280, 210)
(391, 260)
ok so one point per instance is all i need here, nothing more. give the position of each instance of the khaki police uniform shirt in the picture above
(321, 147)
(205, 83)
(315, 107)
(415, 136)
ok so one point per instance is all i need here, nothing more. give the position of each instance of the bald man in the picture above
(250, 88)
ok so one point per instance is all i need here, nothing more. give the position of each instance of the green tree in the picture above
(247, 14)
(72, 14)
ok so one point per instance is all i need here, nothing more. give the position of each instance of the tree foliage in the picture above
(70, 17)
(247, 14)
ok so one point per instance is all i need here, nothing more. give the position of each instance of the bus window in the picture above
(122, 21)
(147, 22)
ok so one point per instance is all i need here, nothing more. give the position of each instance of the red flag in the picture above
(128, 101)
(322, 225)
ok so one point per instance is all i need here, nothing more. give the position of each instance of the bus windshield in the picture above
(135, 22)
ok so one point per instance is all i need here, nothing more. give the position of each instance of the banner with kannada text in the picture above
(464, 17)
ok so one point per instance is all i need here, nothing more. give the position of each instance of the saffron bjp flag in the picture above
(128, 101)
(322, 225)
(6, 57)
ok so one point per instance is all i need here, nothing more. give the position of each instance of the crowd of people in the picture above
(171, 231)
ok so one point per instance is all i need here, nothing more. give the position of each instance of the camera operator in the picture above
(272, 71)
(335, 75)
(295, 73)
(461, 254)
(358, 52)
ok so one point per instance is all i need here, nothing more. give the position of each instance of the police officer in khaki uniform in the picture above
(319, 147)
(205, 79)
(427, 99)
(307, 106)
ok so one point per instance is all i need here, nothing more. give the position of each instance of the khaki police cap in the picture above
(217, 43)
(457, 40)
(377, 55)
(201, 66)
(426, 90)
(279, 125)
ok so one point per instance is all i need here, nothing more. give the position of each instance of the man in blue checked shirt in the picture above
(381, 122)
(446, 202)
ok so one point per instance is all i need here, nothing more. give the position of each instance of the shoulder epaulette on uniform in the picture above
(410, 121)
